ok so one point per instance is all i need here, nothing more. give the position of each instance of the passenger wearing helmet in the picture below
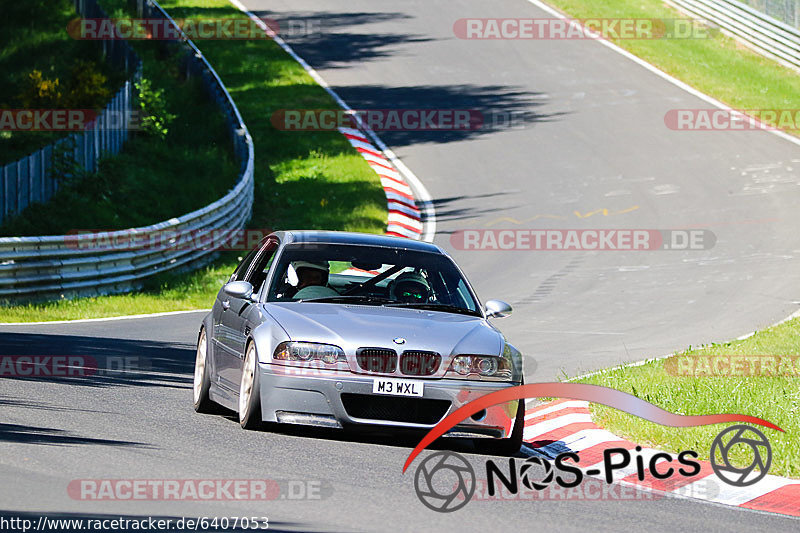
(410, 287)
(312, 280)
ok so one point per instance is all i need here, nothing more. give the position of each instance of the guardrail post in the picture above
(111, 124)
(34, 177)
(3, 192)
(22, 180)
(43, 168)
(12, 177)
(47, 164)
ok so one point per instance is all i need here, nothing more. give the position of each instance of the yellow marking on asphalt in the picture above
(544, 216)
(515, 221)
(605, 212)
(503, 219)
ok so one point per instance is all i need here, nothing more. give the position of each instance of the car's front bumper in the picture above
(336, 399)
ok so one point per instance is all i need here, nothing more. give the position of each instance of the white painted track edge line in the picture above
(633, 364)
(420, 192)
(655, 70)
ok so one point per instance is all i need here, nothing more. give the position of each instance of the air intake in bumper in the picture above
(407, 410)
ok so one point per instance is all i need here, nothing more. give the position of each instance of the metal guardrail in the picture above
(765, 34)
(30, 179)
(52, 266)
(787, 11)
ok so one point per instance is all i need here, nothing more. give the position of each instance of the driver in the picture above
(312, 280)
(410, 287)
(311, 274)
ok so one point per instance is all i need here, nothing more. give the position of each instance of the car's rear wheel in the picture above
(509, 446)
(249, 398)
(202, 379)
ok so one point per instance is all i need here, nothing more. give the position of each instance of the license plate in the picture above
(397, 387)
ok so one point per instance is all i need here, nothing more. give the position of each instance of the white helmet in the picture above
(323, 266)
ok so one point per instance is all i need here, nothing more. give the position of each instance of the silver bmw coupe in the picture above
(348, 330)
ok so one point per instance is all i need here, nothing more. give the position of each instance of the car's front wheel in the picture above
(202, 379)
(249, 398)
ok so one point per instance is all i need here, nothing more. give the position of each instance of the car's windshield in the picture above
(339, 273)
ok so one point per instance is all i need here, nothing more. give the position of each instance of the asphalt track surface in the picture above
(593, 138)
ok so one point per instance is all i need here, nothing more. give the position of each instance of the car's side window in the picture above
(258, 272)
(463, 294)
(241, 270)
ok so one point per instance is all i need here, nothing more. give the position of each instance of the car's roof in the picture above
(346, 237)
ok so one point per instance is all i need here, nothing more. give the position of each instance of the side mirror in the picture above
(497, 309)
(239, 289)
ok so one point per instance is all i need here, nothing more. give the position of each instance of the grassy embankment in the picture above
(303, 179)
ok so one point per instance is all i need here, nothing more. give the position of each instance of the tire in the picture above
(249, 397)
(202, 378)
(509, 446)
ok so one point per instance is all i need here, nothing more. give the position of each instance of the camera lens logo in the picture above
(445, 482)
(731, 438)
(526, 474)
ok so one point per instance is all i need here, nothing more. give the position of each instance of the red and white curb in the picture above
(404, 217)
(566, 426)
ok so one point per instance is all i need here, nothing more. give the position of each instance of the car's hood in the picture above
(355, 326)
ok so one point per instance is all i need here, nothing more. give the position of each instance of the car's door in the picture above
(220, 342)
(233, 329)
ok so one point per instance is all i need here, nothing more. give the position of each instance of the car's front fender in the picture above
(267, 333)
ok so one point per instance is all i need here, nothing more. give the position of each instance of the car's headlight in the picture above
(309, 352)
(481, 367)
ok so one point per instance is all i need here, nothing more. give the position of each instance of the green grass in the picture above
(724, 69)
(304, 180)
(776, 399)
(309, 180)
(175, 292)
(717, 66)
(152, 179)
(33, 37)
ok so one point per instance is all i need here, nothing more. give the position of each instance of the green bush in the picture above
(38, 91)
(153, 104)
(85, 88)
(88, 87)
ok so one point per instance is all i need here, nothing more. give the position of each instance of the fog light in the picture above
(480, 415)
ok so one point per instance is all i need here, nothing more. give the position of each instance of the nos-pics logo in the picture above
(446, 482)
